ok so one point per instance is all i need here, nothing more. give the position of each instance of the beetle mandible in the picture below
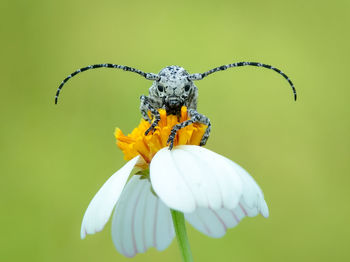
(172, 88)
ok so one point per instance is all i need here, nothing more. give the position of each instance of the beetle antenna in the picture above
(224, 67)
(149, 76)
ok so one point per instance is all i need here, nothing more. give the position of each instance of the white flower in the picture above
(213, 192)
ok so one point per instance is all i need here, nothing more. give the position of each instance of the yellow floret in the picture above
(137, 143)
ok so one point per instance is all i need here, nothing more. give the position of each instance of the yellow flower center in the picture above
(137, 143)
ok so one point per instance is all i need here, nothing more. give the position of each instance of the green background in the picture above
(55, 158)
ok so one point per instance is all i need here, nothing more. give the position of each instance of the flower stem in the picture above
(181, 235)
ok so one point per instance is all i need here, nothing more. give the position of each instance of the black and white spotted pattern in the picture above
(195, 118)
(173, 88)
(148, 76)
(224, 67)
(146, 105)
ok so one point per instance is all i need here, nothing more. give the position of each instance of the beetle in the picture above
(172, 88)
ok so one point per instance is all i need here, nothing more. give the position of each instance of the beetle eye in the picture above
(187, 87)
(160, 88)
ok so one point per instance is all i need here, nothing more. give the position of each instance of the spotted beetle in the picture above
(172, 88)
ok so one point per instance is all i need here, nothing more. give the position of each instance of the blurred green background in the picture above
(55, 158)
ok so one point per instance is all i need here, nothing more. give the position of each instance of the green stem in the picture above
(181, 235)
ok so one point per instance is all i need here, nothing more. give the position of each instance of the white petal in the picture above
(189, 177)
(101, 206)
(141, 220)
(253, 198)
(214, 223)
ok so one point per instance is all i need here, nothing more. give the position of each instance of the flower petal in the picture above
(141, 220)
(214, 223)
(253, 198)
(189, 177)
(101, 206)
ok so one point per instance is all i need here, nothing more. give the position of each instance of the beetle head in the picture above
(173, 87)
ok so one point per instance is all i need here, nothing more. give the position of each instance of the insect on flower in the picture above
(188, 181)
(173, 88)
